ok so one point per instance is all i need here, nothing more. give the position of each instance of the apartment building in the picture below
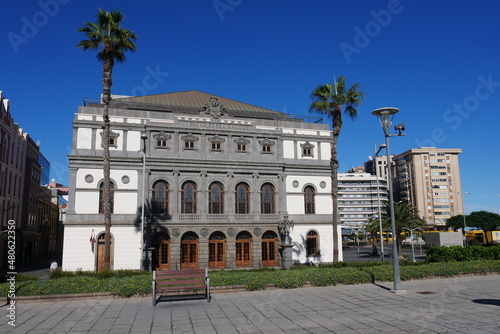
(360, 195)
(429, 179)
(22, 198)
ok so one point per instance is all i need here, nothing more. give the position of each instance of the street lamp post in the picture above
(463, 208)
(144, 138)
(384, 115)
(411, 240)
(374, 164)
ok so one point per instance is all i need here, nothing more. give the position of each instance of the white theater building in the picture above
(219, 177)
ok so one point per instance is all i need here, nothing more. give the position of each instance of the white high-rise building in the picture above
(359, 198)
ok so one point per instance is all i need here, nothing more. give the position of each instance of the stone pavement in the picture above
(468, 304)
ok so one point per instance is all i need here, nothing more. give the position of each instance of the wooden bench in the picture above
(170, 285)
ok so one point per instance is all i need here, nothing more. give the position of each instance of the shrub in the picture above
(26, 277)
(139, 283)
(458, 253)
(289, 279)
(257, 283)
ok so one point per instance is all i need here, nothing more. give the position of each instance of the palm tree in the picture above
(107, 35)
(405, 216)
(329, 100)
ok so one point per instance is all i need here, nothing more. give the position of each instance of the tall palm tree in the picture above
(405, 216)
(329, 100)
(107, 35)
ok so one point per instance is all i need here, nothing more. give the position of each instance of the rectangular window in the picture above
(161, 143)
(241, 147)
(307, 152)
(216, 147)
(189, 145)
(266, 149)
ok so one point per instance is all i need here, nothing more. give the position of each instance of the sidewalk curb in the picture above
(110, 295)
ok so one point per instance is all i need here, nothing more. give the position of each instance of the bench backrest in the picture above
(180, 277)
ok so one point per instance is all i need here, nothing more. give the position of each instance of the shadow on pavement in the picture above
(495, 302)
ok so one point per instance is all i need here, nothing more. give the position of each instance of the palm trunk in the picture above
(106, 98)
(334, 166)
(374, 245)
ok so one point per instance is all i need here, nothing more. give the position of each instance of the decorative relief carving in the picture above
(214, 108)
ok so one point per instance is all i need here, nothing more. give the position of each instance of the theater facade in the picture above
(218, 177)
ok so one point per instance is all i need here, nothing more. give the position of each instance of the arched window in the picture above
(242, 202)
(101, 196)
(267, 204)
(312, 244)
(188, 198)
(217, 251)
(309, 200)
(243, 250)
(189, 251)
(160, 197)
(216, 198)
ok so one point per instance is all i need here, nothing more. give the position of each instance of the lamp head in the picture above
(385, 111)
(384, 114)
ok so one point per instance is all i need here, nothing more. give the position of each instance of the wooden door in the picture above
(269, 253)
(244, 253)
(100, 253)
(189, 254)
(164, 255)
(217, 254)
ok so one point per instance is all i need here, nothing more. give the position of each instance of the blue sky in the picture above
(437, 61)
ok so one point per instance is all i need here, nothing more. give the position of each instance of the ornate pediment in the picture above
(216, 139)
(242, 140)
(267, 142)
(189, 137)
(162, 136)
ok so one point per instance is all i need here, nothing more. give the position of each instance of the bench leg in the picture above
(154, 294)
(207, 290)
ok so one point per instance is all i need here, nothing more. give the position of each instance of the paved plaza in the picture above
(468, 304)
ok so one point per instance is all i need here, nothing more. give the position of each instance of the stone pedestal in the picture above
(286, 255)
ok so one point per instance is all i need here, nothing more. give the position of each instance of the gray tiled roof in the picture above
(196, 100)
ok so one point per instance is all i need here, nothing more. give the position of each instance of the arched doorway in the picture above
(161, 256)
(100, 253)
(269, 249)
(217, 251)
(189, 251)
(243, 250)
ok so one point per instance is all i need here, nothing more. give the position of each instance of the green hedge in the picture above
(459, 253)
(140, 283)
